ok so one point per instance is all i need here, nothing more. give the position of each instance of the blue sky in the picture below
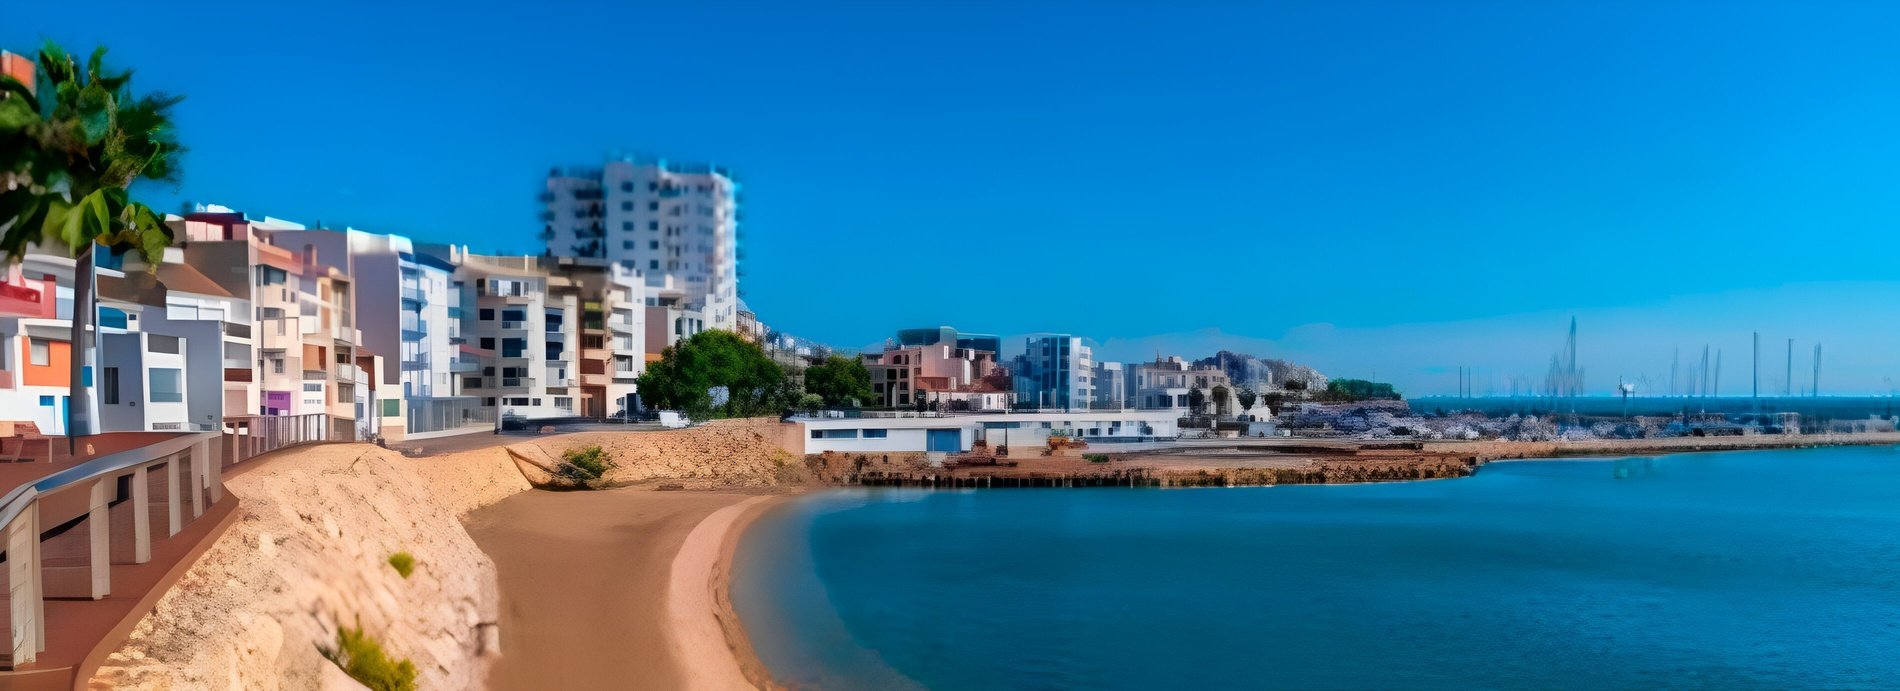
(1125, 171)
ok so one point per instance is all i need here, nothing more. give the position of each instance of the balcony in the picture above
(621, 324)
(464, 365)
(416, 331)
(595, 379)
(315, 375)
(517, 382)
(348, 372)
(237, 330)
(514, 326)
(412, 295)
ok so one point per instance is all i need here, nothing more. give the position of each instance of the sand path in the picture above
(585, 579)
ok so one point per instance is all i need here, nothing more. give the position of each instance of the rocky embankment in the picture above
(724, 454)
(309, 552)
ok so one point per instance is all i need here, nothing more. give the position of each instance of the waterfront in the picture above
(1714, 570)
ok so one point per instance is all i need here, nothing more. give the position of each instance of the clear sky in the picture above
(1125, 171)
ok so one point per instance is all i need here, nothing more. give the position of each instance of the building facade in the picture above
(677, 224)
(1054, 371)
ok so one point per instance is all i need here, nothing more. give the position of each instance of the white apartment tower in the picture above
(677, 224)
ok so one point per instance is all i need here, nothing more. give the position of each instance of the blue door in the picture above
(945, 440)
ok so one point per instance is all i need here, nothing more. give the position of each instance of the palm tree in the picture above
(69, 151)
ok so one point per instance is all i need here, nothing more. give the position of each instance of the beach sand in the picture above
(618, 589)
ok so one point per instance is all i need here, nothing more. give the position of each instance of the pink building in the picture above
(936, 372)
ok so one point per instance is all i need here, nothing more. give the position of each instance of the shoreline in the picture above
(704, 632)
(1283, 461)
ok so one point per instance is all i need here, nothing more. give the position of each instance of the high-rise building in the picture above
(677, 224)
(1054, 371)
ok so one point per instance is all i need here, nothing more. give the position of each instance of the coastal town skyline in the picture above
(926, 346)
(1459, 266)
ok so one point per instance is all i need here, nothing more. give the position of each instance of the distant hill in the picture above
(1263, 374)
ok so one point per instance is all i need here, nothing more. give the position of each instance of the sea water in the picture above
(1759, 569)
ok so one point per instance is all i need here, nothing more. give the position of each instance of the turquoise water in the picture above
(1774, 569)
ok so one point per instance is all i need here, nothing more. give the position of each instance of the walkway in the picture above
(94, 540)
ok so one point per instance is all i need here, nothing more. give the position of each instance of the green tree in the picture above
(842, 381)
(811, 403)
(72, 146)
(687, 373)
(1247, 397)
(1197, 399)
(1359, 390)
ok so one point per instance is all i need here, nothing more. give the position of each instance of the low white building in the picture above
(913, 432)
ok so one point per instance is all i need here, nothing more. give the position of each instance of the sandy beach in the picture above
(622, 589)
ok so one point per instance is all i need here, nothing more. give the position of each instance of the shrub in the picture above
(585, 464)
(1095, 457)
(403, 562)
(363, 659)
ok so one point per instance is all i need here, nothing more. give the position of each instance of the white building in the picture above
(402, 305)
(545, 337)
(898, 432)
(678, 224)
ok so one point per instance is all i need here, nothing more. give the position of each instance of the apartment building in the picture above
(161, 343)
(939, 366)
(400, 301)
(676, 223)
(1166, 383)
(1111, 385)
(303, 348)
(1054, 371)
(547, 337)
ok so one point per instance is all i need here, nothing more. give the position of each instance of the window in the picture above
(876, 433)
(488, 343)
(471, 382)
(489, 401)
(110, 387)
(564, 402)
(653, 244)
(488, 314)
(46, 400)
(514, 347)
(313, 386)
(162, 344)
(653, 206)
(626, 244)
(514, 315)
(392, 407)
(834, 434)
(654, 264)
(42, 353)
(167, 384)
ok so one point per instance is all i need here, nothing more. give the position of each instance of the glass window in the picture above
(392, 407)
(167, 384)
(42, 353)
(110, 387)
(876, 433)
